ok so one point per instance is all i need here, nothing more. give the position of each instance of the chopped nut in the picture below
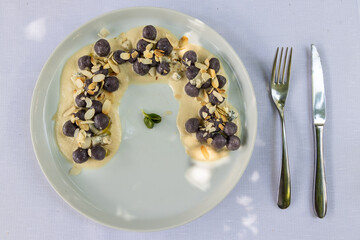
(106, 107)
(93, 61)
(98, 78)
(103, 33)
(192, 82)
(204, 114)
(205, 152)
(149, 47)
(89, 152)
(209, 140)
(218, 96)
(176, 76)
(89, 113)
(87, 122)
(126, 45)
(106, 140)
(224, 119)
(183, 41)
(221, 126)
(148, 54)
(125, 56)
(134, 54)
(212, 109)
(215, 82)
(106, 66)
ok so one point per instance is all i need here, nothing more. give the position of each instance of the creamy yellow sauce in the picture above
(188, 106)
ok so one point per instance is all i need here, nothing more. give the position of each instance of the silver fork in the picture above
(279, 89)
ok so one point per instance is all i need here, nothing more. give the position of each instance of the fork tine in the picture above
(289, 67)
(274, 67)
(283, 72)
(278, 72)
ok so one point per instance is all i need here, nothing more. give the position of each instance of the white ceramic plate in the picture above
(143, 188)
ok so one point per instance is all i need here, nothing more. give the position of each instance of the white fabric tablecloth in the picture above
(30, 208)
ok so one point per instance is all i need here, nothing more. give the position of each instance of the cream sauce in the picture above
(188, 106)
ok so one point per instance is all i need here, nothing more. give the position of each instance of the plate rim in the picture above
(33, 106)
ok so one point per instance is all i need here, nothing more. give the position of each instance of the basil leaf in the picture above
(154, 117)
(148, 122)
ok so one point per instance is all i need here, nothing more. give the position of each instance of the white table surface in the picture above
(30, 208)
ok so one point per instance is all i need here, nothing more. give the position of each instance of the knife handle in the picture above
(284, 195)
(320, 181)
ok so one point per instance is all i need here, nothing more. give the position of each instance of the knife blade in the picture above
(319, 118)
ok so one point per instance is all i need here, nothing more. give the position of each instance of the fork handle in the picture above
(285, 182)
(320, 181)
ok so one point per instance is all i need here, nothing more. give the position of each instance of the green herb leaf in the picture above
(154, 117)
(148, 122)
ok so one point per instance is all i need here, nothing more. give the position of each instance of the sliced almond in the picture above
(152, 71)
(114, 67)
(87, 122)
(206, 97)
(69, 111)
(221, 90)
(106, 107)
(86, 143)
(215, 82)
(87, 73)
(106, 66)
(145, 60)
(92, 85)
(100, 97)
(93, 61)
(183, 41)
(88, 102)
(98, 78)
(205, 76)
(200, 65)
(79, 83)
(76, 133)
(149, 40)
(84, 127)
(89, 114)
(212, 73)
(173, 41)
(207, 62)
(125, 56)
(224, 118)
(205, 152)
(149, 47)
(89, 152)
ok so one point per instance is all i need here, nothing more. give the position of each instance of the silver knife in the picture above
(319, 114)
